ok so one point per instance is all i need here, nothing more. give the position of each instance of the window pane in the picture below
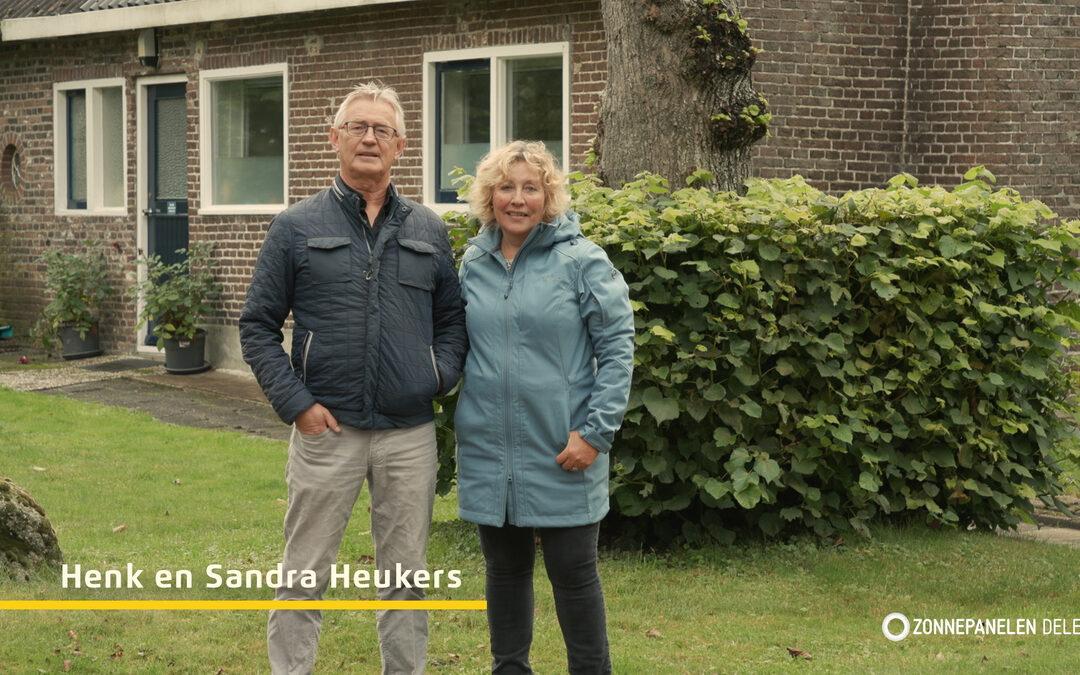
(248, 146)
(464, 119)
(171, 142)
(112, 146)
(534, 101)
(76, 118)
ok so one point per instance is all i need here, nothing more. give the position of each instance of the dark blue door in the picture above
(167, 174)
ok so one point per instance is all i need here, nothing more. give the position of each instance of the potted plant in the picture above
(175, 298)
(78, 283)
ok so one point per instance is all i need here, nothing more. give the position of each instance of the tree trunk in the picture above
(679, 96)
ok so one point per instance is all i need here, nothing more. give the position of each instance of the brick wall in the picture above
(833, 73)
(997, 84)
(859, 89)
(863, 89)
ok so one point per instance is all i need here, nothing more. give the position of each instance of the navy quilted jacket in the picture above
(378, 330)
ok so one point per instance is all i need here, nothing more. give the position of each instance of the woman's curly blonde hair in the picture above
(494, 168)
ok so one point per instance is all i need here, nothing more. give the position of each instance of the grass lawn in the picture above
(122, 488)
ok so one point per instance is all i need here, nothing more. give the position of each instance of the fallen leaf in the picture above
(281, 501)
(796, 653)
(453, 657)
(67, 665)
(118, 653)
(366, 560)
(940, 656)
(38, 468)
(652, 632)
(175, 481)
(119, 528)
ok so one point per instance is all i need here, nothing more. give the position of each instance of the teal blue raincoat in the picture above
(551, 350)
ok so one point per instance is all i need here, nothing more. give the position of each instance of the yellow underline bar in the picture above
(239, 604)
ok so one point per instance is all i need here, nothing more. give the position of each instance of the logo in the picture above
(896, 637)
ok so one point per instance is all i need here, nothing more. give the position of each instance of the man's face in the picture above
(367, 160)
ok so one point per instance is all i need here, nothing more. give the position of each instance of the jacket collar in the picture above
(352, 201)
(563, 228)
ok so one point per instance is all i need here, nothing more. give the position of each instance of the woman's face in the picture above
(518, 201)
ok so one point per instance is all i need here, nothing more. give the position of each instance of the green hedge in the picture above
(807, 362)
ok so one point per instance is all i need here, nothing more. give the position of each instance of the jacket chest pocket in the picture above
(329, 259)
(416, 264)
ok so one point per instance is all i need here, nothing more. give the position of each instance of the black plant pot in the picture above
(184, 357)
(76, 346)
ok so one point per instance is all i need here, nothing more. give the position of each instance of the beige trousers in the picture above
(325, 474)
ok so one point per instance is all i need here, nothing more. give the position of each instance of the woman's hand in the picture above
(578, 455)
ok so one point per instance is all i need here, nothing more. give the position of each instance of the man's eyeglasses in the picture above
(359, 130)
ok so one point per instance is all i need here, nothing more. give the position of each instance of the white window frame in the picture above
(498, 56)
(94, 147)
(206, 114)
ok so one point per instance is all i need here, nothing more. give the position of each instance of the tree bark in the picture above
(679, 96)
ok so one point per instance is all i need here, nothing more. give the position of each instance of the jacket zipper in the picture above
(435, 367)
(307, 348)
(371, 253)
(507, 414)
(507, 384)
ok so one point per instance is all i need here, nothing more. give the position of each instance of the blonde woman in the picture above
(547, 378)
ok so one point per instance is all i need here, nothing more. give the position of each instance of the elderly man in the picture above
(379, 329)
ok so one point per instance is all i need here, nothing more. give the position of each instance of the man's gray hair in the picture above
(376, 91)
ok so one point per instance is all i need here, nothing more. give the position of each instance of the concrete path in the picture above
(214, 399)
(1067, 536)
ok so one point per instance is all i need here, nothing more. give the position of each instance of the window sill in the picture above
(243, 210)
(116, 211)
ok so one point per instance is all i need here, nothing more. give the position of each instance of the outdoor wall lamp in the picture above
(148, 55)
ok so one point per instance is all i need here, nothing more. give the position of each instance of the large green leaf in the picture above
(662, 409)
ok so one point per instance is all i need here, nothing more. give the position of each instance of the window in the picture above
(89, 147)
(244, 140)
(478, 99)
(11, 173)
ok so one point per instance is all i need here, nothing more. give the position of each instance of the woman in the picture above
(547, 378)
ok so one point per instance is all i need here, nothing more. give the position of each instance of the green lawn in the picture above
(121, 488)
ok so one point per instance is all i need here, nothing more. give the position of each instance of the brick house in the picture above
(151, 123)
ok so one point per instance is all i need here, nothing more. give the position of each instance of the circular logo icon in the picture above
(896, 637)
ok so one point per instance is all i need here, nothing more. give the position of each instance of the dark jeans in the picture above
(570, 559)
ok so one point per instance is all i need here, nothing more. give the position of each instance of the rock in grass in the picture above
(27, 538)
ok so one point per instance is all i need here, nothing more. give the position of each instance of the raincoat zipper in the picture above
(508, 416)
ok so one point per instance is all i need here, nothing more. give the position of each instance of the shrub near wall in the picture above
(806, 362)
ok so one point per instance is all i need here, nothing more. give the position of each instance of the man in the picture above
(379, 329)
